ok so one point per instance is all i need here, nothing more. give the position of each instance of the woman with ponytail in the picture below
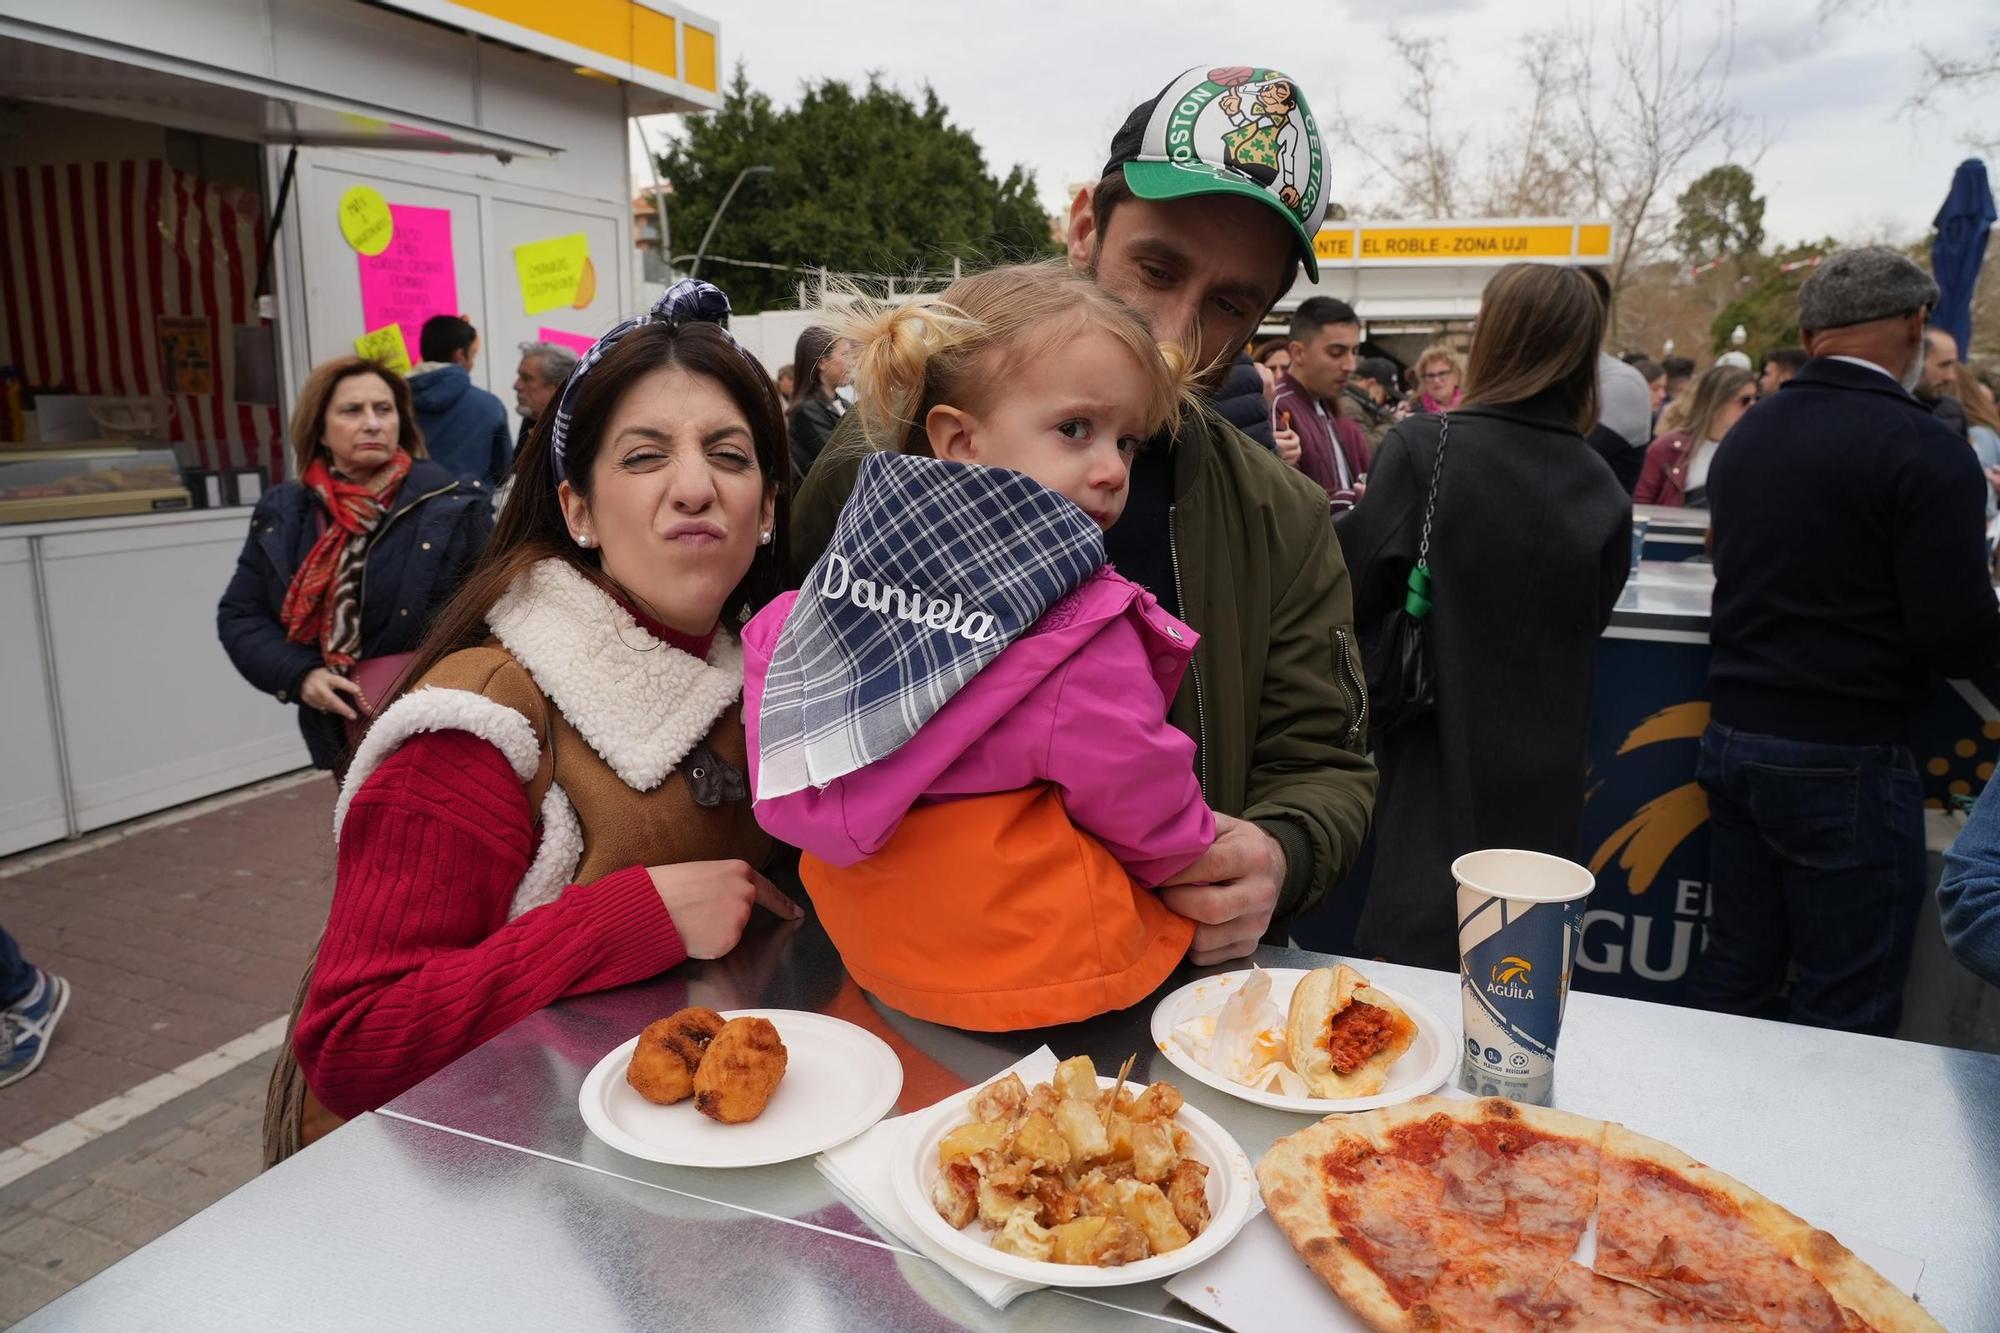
(961, 718)
(557, 804)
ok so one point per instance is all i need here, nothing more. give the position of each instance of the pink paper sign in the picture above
(414, 278)
(576, 342)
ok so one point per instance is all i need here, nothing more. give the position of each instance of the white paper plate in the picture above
(1417, 1071)
(1232, 1200)
(839, 1080)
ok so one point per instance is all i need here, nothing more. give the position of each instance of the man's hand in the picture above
(1230, 893)
(1289, 447)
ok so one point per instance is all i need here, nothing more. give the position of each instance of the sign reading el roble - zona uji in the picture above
(1498, 242)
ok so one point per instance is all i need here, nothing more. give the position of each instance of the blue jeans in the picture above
(1816, 861)
(17, 975)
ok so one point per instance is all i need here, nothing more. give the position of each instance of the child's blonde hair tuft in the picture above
(953, 347)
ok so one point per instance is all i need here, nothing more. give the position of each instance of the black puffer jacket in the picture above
(424, 545)
(1240, 401)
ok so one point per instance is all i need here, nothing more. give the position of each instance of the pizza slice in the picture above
(1439, 1213)
(1577, 1298)
(1668, 1225)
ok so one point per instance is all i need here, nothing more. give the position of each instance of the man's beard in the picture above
(1913, 375)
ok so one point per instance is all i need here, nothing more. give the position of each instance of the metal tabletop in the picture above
(479, 1200)
(1666, 599)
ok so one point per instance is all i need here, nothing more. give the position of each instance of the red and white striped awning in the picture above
(93, 255)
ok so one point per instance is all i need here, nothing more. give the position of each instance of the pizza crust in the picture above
(1380, 1125)
(1295, 1195)
(1848, 1280)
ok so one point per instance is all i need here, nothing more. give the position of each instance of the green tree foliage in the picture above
(862, 181)
(1769, 309)
(1721, 217)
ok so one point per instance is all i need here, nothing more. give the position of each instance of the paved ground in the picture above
(183, 941)
(96, 1205)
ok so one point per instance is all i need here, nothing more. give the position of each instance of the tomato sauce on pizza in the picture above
(1445, 1214)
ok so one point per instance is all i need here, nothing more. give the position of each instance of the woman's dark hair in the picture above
(813, 345)
(1538, 332)
(531, 527)
(308, 428)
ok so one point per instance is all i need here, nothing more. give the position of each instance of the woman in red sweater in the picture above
(557, 804)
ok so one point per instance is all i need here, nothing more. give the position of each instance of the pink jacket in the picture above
(1079, 701)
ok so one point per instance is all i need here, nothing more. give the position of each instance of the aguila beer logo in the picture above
(1251, 123)
(1512, 978)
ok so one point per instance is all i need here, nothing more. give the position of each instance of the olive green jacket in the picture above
(1276, 701)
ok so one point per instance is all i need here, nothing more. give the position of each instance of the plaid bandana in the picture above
(934, 569)
(688, 301)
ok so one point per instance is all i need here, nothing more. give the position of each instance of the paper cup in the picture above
(1520, 915)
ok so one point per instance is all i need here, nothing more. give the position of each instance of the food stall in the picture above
(483, 1199)
(1418, 282)
(1645, 824)
(1645, 821)
(202, 201)
(1673, 533)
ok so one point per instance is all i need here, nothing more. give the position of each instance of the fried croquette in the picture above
(740, 1071)
(669, 1051)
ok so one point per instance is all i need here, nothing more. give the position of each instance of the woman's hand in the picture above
(324, 689)
(710, 902)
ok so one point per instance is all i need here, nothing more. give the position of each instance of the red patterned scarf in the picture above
(323, 605)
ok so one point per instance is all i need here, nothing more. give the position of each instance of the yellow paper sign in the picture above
(365, 220)
(386, 346)
(551, 271)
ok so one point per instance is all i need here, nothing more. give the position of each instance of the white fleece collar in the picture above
(641, 704)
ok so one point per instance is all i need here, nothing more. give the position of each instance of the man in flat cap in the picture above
(1850, 572)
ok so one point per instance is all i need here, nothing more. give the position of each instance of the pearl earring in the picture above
(583, 540)
(764, 540)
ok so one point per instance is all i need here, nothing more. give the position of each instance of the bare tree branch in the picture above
(1945, 76)
(1418, 155)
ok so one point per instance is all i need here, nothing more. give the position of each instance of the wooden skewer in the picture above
(1111, 1102)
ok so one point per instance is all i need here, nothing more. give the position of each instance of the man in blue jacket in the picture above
(465, 427)
(1850, 573)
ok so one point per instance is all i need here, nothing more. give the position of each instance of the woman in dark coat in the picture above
(349, 561)
(1530, 546)
(824, 363)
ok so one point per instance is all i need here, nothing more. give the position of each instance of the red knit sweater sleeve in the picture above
(419, 963)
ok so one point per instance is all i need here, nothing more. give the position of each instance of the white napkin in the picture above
(860, 1167)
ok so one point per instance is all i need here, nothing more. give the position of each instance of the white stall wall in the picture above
(31, 800)
(153, 714)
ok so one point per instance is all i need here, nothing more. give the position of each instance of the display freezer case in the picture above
(37, 485)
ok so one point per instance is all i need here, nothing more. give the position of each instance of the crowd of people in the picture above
(1065, 565)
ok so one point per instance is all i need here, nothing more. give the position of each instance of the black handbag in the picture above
(1402, 678)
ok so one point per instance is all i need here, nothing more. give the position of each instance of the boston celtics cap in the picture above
(1229, 129)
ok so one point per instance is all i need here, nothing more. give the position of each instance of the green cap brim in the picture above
(1168, 180)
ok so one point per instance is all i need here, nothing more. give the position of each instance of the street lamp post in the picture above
(694, 269)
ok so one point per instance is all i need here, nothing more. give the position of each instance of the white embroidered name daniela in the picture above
(838, 585)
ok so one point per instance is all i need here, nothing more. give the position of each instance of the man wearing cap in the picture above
(1850, 571)
(1205, 210)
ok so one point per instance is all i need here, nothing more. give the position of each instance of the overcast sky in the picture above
(1046, 84)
